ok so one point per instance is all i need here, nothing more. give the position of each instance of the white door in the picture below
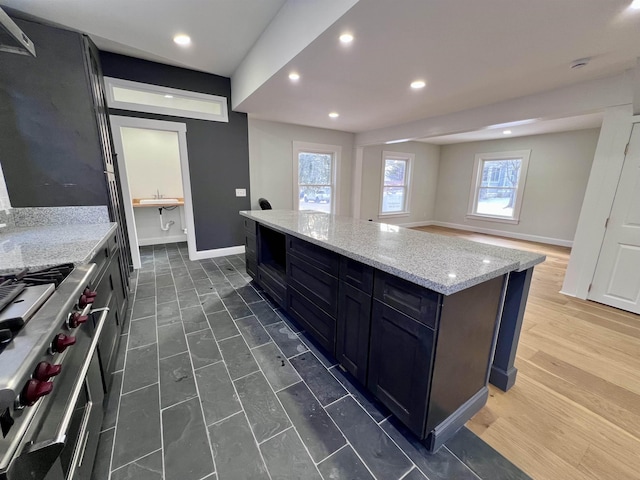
(616, 281)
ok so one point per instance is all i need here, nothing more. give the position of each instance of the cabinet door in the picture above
(352, 330)
(400, 364)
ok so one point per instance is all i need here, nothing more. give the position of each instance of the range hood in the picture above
(12, 39)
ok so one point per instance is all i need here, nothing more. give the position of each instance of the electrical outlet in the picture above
(241, 192)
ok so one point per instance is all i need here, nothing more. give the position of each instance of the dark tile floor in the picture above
(214, 383)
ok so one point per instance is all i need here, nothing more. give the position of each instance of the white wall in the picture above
(559, 169)
(271, 161)
(152, 159)
(153, 162)
(424, 176)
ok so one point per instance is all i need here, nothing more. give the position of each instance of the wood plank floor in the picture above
(574, 412)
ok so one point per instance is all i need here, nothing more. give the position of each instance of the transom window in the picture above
(315, 176)
(395, 183)
(498, 186)
(144, 97)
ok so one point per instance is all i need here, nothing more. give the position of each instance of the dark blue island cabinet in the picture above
(424, 355)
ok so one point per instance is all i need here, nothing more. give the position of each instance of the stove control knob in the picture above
(61, 342)
(76, 319)
(85, 300)
(44, 371)
(89, 293)
(33, 391)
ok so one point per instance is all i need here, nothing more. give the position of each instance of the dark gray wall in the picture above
(218, 152)
(49, 144)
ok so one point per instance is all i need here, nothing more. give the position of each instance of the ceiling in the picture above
(471, 53)
(222, 31)
(521, 129)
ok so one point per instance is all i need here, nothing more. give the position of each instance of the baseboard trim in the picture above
(217, 252)
(144, 242)
(501, 233)
(425, 223)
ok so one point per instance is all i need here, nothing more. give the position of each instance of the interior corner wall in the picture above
(218, 151)
(424, 177)
(555, 186)
(271, 161)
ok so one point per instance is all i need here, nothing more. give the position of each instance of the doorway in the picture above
(156, 187)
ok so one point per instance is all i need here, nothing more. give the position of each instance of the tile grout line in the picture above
(126, 351)
(460, 460)
(160, 391)
(195, 381)
(217, 422)
(411, 470)
(138, 459)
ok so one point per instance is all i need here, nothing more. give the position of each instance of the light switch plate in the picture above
(241, 192)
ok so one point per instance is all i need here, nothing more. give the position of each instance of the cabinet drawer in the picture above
(319, 325)
(357, 274)
(318, 286)
(272, 284)
(319, 257)
(249, 225)
(418, 302)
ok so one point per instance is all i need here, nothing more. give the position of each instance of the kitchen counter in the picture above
(46, 245)
(444, 264)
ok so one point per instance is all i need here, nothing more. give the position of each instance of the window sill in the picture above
(489, 218)
(394, 214)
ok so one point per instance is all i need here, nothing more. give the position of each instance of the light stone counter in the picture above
(441, 263)
(45, 245)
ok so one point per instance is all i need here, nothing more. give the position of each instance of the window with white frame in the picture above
(315, 176)
(396, 177)
(498, 186)
(144, 97)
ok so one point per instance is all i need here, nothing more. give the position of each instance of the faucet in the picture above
(157, 195)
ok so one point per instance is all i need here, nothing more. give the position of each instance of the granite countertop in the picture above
(441, 263)
(46, 245)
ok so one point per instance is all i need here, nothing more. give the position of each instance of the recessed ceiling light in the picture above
(294, 76)
(400, 140)
(346, 38)
(168, 96)
(506, 132)
(334, 114)
(182, 40)
(418, 84)
(635, 5)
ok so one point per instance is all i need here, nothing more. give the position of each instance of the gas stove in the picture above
(49, 369)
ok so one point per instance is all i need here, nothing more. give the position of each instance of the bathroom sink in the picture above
(158, 201)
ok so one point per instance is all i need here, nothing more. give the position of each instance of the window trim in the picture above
(409, 158)
(336, 151)
(111, 82)
(476, 181)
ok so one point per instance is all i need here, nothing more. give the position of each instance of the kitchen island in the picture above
(412, 316)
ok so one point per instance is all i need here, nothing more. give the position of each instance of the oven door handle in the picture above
(61, 433)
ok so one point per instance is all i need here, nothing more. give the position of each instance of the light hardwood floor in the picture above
(574, 412)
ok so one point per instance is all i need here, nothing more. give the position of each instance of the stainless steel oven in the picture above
(51, 429)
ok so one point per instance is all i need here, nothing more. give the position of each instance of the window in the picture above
(143, 97)
(395, 183)
(315, 176)
(498, 186)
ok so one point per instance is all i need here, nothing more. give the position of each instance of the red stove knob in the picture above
(76, 319)
(61, 342)
(33, 391)
(89, 293)
(44, 371)
(85, 300)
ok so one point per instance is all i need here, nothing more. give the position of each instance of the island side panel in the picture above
(503, 373)
(466, 333)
